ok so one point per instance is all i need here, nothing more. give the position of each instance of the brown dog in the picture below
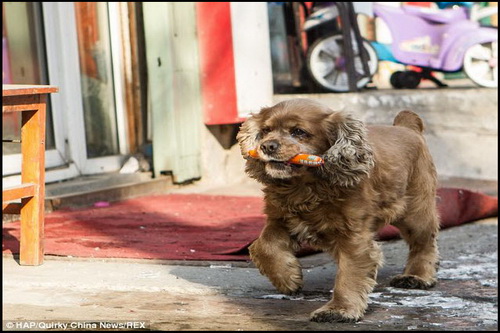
(372, 177)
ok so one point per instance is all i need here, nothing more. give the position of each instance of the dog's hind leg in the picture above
(419, 228)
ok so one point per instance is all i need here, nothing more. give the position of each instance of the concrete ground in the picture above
(234, 296)
(166, 295)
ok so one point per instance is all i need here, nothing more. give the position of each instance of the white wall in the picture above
(252, 56)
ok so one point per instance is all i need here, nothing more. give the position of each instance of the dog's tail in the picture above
(409, 119)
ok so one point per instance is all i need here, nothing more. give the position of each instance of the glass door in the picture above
(24, 61)
(100, 53)
(96, 77)
(77, 47)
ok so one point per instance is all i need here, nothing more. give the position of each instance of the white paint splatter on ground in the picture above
(483, 269)
(294, 298)
(431, 308)
(454, 306)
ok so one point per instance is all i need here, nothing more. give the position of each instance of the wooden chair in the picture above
(31, 102)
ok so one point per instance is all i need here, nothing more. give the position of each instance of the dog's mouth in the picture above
(283, 165)
(282, 169)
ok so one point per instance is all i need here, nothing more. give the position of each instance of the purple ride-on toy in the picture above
(444, 40)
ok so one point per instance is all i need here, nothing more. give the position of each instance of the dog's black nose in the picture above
(270, 146)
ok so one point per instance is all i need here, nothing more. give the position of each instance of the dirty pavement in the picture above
(234, 296)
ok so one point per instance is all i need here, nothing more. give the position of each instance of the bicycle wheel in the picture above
(481, 64)
(327, 64)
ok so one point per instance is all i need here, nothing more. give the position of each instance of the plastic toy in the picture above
(446, 40)
(302, 159)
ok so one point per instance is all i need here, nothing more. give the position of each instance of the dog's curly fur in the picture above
(372, 177)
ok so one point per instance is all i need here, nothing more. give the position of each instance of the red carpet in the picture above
(192, 227)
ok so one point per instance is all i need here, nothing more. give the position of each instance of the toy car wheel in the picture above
(411, 79)
(405, 80)
(481, 64)
(326, 63)
(396, 80)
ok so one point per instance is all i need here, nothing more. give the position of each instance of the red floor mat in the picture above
(192, 227)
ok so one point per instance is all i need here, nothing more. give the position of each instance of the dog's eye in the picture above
(298, 132)
(265, 130)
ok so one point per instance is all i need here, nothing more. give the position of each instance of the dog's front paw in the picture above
(287, 277)
(282, 268)
(411, 282)
(332, 314)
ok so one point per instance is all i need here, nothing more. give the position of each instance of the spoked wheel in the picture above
(328, 66)
(481, 64)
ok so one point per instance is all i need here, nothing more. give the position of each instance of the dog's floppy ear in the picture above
(350, 157)
(248, 138)
(248, 135)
